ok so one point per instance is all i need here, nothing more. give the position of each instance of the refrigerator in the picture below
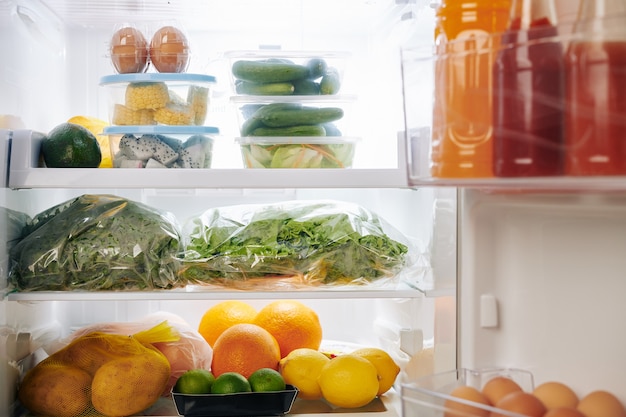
(508, 274)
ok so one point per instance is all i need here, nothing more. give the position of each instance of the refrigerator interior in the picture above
(539, 273)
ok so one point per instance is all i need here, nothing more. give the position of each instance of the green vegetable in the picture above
(268, 71)
(323, 242)
(298, 155)
(254, 121)
(317, 67)
(306, 88)
(331, 82)
(97, 242)
(302, 130)
(70, 145)
(264, 89)
(302, 116)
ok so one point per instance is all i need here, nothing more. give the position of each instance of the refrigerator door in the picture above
(541, 286)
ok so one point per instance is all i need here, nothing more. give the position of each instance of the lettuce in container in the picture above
(97, 242)
(294, 243)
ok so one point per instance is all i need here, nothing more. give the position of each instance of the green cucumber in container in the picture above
(264, 89)
(331, 82)
(302, 130)
(268, 72)
(301, 116)
(317, 67)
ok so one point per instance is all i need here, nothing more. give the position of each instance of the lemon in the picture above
(195, 381)
(386, 367)
(230, 383)
(266, 379)
(96, 127)
(69, 145)
(349, 381)
(301, 368)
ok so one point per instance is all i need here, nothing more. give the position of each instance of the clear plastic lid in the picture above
(155, 77)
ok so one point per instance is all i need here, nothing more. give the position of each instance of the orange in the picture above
(223, 315)
(293, 324)
(244, 348)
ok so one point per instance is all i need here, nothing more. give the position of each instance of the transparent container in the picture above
(161, 146)
(430, 396)
(297, 152)
(292, 116)
(158, 99)
(278, 73)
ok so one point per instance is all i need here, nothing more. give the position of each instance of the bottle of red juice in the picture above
(528, 94)
(595, 118)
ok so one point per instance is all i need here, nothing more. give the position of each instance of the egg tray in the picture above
(241, 404)
(430, 396)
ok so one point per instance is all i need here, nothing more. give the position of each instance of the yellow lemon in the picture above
(349, 381)
(301, 368)
(96, 127)
(386, 367)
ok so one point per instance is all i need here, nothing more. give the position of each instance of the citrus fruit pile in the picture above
(202, 381)
(284, 338)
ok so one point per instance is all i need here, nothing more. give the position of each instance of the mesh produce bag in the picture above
(97, 242)
(190, 351)
(100, 374)
(296, 243)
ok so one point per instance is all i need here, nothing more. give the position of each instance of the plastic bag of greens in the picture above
(97, 242)
(295, 242)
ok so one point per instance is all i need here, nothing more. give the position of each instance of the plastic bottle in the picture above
(596, 81)
(528, 93)
(462, 129)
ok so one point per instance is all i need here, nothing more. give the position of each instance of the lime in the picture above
(266, 379)
(230, 383)
(69, 145)
(195, 381)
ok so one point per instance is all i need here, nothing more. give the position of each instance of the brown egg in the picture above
(459, 409)
(555, 395)
(520, 402)
(498, 387)
(563, 412)
(601, 404)
(169, 50)
(129, 51)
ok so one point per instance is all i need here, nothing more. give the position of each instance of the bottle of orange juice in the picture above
(466, 40)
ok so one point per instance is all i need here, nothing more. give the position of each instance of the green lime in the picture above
(69, 145)
(195, 381)
(229, 383)
(266, 379)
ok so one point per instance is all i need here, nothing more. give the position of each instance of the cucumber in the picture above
(330, 83)
(268, 72)
(254, 121)
(264, 89)
(317, 68)
(302, 116)
(332, 129)
(306, 88)
(301, 130)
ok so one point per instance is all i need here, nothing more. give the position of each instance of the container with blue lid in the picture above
(161, 146)
(172, 99)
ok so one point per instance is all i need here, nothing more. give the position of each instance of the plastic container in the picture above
(529, 93)
(158, 99)
(430, 396)
(271, 403)
(596, 76)
(297, 152)
(292, 116)
(161, 146)
(297, 73)
(462, 114)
